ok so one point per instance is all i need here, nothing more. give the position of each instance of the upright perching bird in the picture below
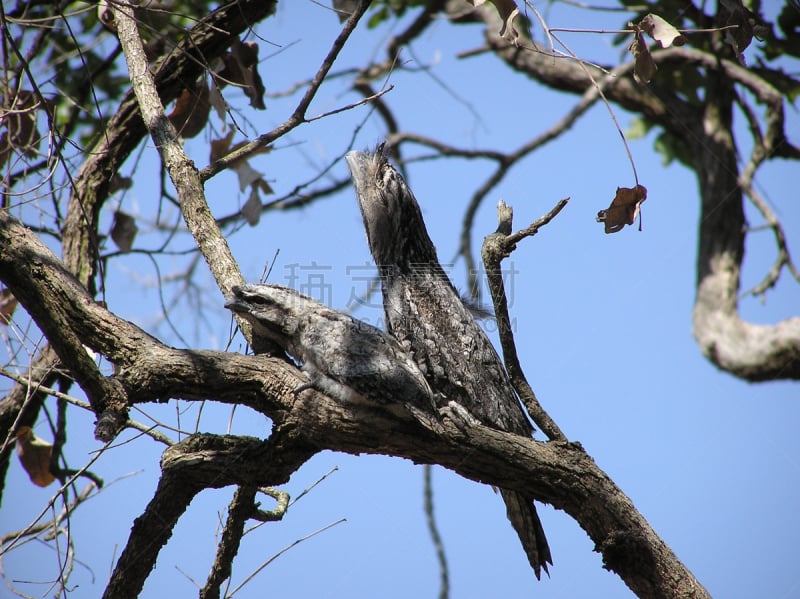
(424, 312)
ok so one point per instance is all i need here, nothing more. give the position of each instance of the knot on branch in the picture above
(628, 549)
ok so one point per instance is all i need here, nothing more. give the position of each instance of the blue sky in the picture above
(603, 326)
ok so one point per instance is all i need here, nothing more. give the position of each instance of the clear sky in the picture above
(603, 325)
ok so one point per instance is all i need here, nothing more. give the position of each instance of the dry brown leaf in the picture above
(252, 207)
(19, 122)
(219, 147)
(34, 455)
(247, 174)
(119, 182)
(644, 67)
(508, 11)
(344, 8)
(8, 303)
(241, 68)
(123, 231)
(218, 103)
(662, 31)
(106, 16)
(264, 186)
(190, 114)
(624, 208)
(733, 12)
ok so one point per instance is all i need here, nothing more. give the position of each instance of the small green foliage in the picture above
(383, 11)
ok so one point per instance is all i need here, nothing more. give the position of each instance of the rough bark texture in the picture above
(557, 473)
(748, 351)
(126, 129)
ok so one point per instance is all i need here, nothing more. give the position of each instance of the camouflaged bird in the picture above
(343, 357)
(425, 313)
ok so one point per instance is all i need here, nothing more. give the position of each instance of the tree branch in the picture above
(298, 117)
(556, 473)
(197, 463)
(749, 351)
(205, 41)
(182, 171)
(497, 247)
(240, 510)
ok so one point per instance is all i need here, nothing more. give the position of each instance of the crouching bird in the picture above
(343, 357)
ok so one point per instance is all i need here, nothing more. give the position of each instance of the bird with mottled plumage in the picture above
(343, 357)
(425, 313)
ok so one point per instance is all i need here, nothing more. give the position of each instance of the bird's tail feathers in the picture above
(522, 514)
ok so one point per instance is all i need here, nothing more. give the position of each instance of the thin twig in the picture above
(506, 161)
(436, 538)
(281, 552)
(299, 115)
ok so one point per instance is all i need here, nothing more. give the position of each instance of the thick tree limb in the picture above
(556, 473)
(200, 462)
(181, 68)
(749, 351)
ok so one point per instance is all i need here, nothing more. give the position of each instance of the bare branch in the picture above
(496, 247)
(298, 117)
(182, 172)
(200, 462)
(239, 511)
(436, 538)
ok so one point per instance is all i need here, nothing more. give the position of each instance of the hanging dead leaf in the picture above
(344, 8)
(8, 303)
(508, 11)
(123, 231)
(19, 121)
(241, 68)
(644, 67)
(219, 147)
(264, 186)
(119, 182)
(34, 454)
(662, 31)
(252, 207)
(218, 103)
(190, 114)
(624, 208)
(734, 12)
(248, 176)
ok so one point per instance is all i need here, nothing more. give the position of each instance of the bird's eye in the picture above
(259, 300)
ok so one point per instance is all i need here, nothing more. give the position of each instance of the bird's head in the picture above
(271, 309)
(392, 218)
